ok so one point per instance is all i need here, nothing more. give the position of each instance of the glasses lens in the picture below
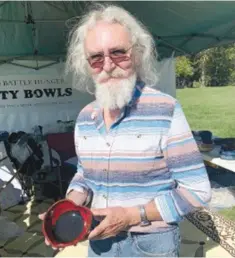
(96, 61)
(119, 55)
(97, 64)
(120, 59)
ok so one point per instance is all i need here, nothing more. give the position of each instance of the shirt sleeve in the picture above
(78, 182)
(192, 187)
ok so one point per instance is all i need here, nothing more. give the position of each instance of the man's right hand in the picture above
(42, 217)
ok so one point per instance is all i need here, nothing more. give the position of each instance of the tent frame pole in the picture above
(158, 38)
(4, 2)
(34, 68)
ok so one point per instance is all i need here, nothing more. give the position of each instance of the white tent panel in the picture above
(37, 97)
(167, 76)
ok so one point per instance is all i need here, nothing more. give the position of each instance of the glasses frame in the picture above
(116, 60)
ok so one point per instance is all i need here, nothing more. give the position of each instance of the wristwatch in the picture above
(144, 220)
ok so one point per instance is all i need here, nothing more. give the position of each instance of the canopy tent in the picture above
(187, 27)
(37, 30)
(33, 34)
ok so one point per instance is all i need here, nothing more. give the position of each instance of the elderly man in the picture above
(137, 157)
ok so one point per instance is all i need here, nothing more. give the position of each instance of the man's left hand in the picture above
(116, 219)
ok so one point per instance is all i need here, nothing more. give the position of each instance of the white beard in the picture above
(115, 95)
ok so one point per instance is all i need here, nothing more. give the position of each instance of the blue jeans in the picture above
(160, 244)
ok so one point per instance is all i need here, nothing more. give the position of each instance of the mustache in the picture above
(114, 74)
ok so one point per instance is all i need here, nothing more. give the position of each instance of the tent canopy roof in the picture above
(38, 28)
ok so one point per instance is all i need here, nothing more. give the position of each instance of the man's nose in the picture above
(109, 65)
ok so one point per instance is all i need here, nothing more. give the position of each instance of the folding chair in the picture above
(63, 144)
(24, 164)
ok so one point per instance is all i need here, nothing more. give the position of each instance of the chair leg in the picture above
(60, 182)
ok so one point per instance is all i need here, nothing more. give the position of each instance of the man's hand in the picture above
(42, 217)
(77, 197)
(116, 219)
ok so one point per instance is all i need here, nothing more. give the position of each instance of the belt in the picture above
(129, 233)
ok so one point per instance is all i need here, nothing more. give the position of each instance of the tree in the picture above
(211, 67)
(184, 71)
(216, 66)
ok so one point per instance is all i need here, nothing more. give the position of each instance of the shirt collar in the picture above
(136, 93)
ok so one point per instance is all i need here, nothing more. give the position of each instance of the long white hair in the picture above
(144, 52)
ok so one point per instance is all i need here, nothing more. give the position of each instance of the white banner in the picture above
(35, 90)
(41, 99)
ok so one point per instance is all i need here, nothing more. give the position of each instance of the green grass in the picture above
(210, 108)
(228, 213)
(213, 109)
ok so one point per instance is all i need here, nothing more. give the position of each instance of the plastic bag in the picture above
(21, 150)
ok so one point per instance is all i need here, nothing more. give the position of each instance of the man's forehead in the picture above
(106, 35)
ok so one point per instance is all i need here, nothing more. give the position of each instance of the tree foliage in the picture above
(184, 67)
(184, 71)
(212, 67)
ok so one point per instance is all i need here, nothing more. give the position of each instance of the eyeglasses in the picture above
(117, 56)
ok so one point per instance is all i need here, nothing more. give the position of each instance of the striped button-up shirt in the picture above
(148, 154)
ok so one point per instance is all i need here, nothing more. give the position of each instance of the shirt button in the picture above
(104, 196)
(93, 115)
(105, 170)
(108, 144)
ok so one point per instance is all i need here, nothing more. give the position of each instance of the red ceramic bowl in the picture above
(66, 224)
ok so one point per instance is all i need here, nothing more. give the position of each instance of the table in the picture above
(213, 157)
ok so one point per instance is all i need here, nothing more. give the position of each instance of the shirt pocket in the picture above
(152, 154)
(84, 147)
(144, 151)
(90, 151)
